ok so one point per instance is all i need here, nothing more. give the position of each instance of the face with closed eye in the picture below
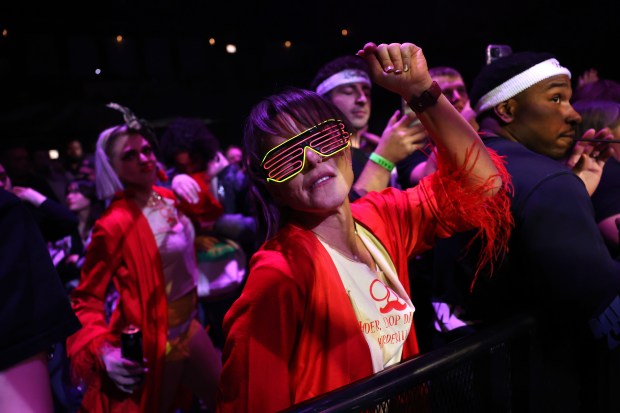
(353, 100)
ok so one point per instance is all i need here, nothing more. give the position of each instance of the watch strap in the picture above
(427, 99)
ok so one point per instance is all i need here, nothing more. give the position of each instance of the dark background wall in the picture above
(165, 66)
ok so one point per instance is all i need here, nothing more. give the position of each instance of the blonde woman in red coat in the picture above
(142, 248)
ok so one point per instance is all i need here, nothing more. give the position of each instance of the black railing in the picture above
(488, 371)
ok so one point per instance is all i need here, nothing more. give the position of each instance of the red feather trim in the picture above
(490, 215)
(86, 363)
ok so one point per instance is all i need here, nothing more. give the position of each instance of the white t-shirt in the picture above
(382, 307)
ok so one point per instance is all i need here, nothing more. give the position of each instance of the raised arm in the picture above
(402, 69)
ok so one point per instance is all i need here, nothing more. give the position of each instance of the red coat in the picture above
(122, 251)
(293, 334)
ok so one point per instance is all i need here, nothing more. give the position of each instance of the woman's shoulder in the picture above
(271, 270)
(289, 241)
(118, 216)
(292, 252)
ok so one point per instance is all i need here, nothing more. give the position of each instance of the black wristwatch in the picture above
(427, 99)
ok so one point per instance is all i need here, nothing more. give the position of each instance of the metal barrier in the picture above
(488, 371)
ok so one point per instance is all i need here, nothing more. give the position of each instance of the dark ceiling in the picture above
(165, 66)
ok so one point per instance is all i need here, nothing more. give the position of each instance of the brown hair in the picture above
(283, 114)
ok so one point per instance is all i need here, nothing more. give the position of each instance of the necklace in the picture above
(345, 254)
(159, 206)
(154, 200)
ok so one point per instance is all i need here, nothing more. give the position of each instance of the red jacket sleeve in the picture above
(261, 331)
(88, 302)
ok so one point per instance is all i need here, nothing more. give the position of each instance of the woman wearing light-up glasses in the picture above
(327, 298)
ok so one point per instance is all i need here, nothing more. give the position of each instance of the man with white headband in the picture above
(345, 81)
(558, 267)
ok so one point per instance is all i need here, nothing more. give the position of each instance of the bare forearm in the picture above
(402, 69)
(372, 178)
(457, 143)
(25, 387)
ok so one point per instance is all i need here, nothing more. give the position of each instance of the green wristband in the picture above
(381, 161)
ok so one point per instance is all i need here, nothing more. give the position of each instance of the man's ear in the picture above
(505, 110)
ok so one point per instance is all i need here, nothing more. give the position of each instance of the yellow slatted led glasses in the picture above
(289, 158)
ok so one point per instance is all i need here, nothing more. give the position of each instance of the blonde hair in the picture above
(106, 179)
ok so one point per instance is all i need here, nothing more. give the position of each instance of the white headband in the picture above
(520, 82)
(342, 78)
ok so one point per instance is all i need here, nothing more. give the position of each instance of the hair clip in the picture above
(130, 118)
